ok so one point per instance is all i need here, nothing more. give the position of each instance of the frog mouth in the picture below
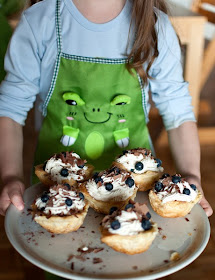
(109, 116)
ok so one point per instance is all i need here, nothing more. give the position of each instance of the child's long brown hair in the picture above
(145, 47)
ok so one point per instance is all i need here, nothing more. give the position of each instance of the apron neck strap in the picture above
(58, 26)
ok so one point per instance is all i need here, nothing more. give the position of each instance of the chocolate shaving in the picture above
(70, 258)
(97, 260)
(72, 266)
(90, 250)
(67, 157)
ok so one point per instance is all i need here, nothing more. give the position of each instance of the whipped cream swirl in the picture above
(56, 202)
(130, 224)
(120, 191)
(174, 191)
(134, 219)
(55, 165)
(132, 157)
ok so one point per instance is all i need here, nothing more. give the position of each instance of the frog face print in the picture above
(97, 115)
(95, 119)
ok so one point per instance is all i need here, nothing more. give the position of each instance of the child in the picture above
(93, 62)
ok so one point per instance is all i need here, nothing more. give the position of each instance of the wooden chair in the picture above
(190, 28)
(200, 7)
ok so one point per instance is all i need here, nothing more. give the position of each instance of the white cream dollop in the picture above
(149, 163)
(54, 167)
(129, 224)
(59, 206)
(171, 193)
(120, 190)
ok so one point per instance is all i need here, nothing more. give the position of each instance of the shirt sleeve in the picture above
(169, 90)
(21, 84)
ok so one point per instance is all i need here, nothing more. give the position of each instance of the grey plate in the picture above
(59, 254)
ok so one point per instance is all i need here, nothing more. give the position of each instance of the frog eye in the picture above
(121, 100)
(71, 102)
(73, 99)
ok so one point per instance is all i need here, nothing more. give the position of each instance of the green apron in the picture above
(94, 107)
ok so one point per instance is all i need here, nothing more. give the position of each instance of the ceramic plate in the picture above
(62, 254)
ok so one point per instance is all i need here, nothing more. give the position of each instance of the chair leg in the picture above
(208, 62)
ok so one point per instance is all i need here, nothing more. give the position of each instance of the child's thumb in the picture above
(16, 198)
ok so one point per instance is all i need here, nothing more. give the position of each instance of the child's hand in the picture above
(203, 202)
(206, 206)
(12, 192)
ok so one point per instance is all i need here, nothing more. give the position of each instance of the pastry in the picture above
(173, 196)
(130, 231)
(65, 167)
(109, 188)
(145, 168)
(62, 209)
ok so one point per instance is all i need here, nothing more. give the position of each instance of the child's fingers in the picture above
(206, 206)
(4, 205)
(16, 198)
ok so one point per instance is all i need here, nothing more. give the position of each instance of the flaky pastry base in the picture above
(47, 180)
(172, 209)
(104, 206)
(65, 224)
(129, 244)
(143, 181)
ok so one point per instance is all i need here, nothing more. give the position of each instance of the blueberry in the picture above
(95, 175)
(139, 166)
(176, 179)
(124, 152)
(148, 215)
(132, 170)
(98, 179)
(108, 186)
(159, 162)
(115, 225)
(44, 198)
(68, 201)
(81, 195)
(111, 170)
(68, 186)
(193, 187)
(165, 175)
(146, 224)
(130, 182)
(129, 205)
(44, 165)
(158, 186)
(112, 209)
(186, 191)
(81, 166)
(117, 171)
(42, 209)
(64, 172)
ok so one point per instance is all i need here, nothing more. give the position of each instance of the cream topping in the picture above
(149, 163)
(129, 224)
(58, 205)
(54, 167)
(120, 190)
(175, 192)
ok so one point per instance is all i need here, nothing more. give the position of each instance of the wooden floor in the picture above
(15, 267)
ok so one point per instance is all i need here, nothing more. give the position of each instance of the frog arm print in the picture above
(121, 136)
(70, 134)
